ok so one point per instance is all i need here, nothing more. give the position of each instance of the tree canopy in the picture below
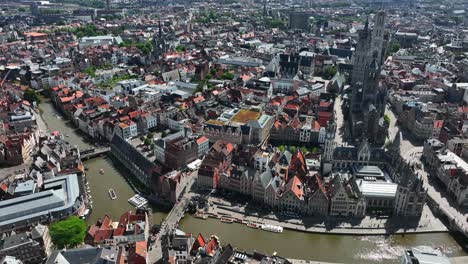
(329, 72)
(31, 96)
(386, 119)
(68, 233)
(394, 47)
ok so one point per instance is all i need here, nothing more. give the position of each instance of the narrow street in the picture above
(339, 118)
(412, 153)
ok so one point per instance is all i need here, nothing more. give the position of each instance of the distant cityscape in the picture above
(130, 129)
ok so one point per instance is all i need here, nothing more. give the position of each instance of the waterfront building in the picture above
(135, 161)
(131, 229)
(291, 200)
(179, 149)
(178, 247)
(375, 187)
(344, 199)
(218, 159)
(57, 156)
(317, 197)
(390, 162)
(59, 198)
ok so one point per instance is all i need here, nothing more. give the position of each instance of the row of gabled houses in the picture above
(288, 182)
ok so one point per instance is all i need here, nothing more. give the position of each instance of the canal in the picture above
(111, 178)
(332, 248)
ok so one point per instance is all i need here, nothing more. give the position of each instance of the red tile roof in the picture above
(211, 246)
(438, 123)
(201, 140)
(296, 187)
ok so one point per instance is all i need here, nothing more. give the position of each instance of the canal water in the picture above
(112, 177)
(319, 247)
(332, 248)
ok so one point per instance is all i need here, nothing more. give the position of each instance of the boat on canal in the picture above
(272, 228)
(85, 214)
(112, 194)
(252, 225)
(200, 216)
(227, 220)
(101, 171)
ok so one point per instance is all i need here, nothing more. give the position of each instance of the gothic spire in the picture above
(160, 29)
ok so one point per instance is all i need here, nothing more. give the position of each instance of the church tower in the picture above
(329, 148)
(367, 103)
(159, 43)
(378, 33)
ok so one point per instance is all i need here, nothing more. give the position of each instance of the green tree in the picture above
(31, 96)
(281, 148)
(275, 23)
(147, 141)
(180, 48)
(292, 149)
(142, 138)
(386, 119)
(304, 149)
(199, 88)
(150, 135)
(208, 76)
(394, 47)
(68, 233)
(22, 9)
(314, 150)
(90, 70)
(329, 72)
(227, 76)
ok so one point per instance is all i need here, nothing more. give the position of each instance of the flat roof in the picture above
(244, 115)
(377, 189)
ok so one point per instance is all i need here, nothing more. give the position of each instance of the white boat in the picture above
(84, 214)
(112, 194)
(272, 228)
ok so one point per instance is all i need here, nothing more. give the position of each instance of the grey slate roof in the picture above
(89, 255)
(59, 194)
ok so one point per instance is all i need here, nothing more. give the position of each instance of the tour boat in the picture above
(101, 171)
(112, 194)
(272, 228)
(252, 225)
(227, 220)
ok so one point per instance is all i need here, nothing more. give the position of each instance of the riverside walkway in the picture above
(366, 226)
